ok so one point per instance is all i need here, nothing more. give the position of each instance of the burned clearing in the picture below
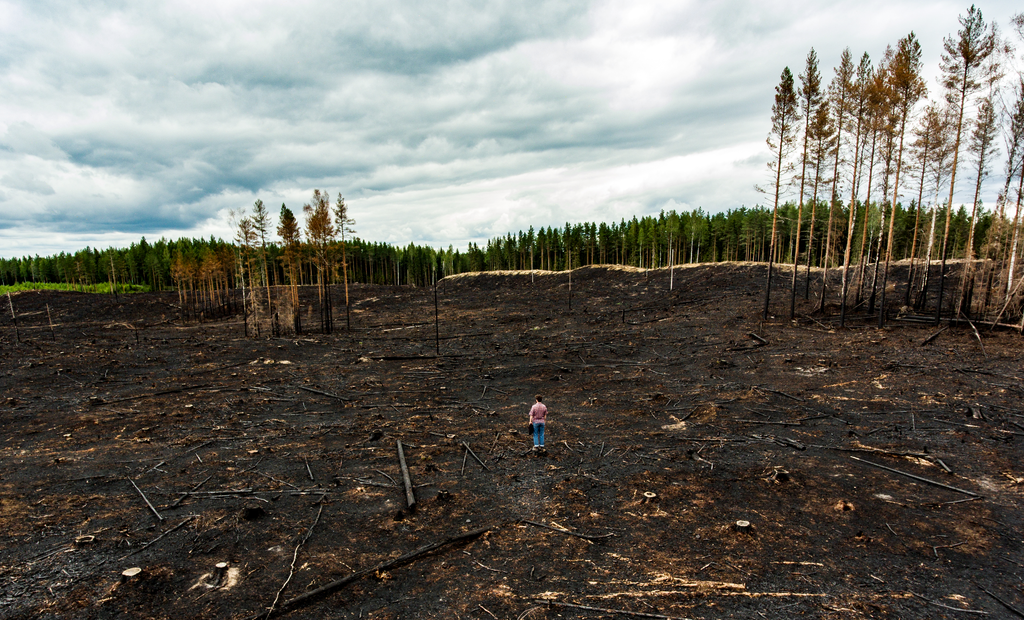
(700, 463)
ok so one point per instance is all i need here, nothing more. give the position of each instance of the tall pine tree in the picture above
(962, 61)
(810, 101)
(906, 87)
(785, 115)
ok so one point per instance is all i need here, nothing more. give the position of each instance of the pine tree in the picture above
(785, 115)
(840, 91)
(261, 224)
(981, 145)
(824, 135)
(320, 233)
(859, 108)
(906, 87)
(810, 101)
(288, 231)
(344, 224)
(927, 141)
(940, 171)
(881, 124)
(1016, 137)
(962, 61)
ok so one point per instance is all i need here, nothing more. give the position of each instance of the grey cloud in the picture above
(168, 116)
(23, 138)
(27, 183)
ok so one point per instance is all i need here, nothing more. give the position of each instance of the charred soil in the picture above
(700, 463)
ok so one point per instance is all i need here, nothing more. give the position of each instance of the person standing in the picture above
(538, 418)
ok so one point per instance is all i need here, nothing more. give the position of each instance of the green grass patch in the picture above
(103, 288)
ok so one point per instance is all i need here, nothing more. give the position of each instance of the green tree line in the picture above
(742, 234)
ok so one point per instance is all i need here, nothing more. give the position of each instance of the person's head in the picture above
(539, 398)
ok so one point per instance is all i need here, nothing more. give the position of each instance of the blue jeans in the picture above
(538, 434)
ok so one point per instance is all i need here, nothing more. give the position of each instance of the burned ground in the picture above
(669, 425)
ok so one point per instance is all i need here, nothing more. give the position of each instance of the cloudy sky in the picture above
(441, 122)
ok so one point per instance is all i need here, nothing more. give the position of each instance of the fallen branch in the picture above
(410, 497)
(934, 336)
(938, 604)
(295, 556)
(221, 492)
(277, 480)
(708, 439)
(173, 529)
(158, 516)
(178, 501)
(1013, 609)
(152, 394)
(309, 389)
(564, 531)
(759, 339)
(764, 389)
(772, 422)
(782, 441)
(473, 454)
(387, 476)
(977, 337)
(919, 478)
(869, 450)
(401, 358)
(334, 586)
(635, 614)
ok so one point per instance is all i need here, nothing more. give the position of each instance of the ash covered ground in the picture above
(134, 440)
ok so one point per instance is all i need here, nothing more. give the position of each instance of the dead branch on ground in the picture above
(564, 531)
(410, 497)
(145, 499)
(635, 614)
(312, 595)
(919, 478)
(295, 556)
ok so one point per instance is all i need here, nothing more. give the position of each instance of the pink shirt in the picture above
(538, 413)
